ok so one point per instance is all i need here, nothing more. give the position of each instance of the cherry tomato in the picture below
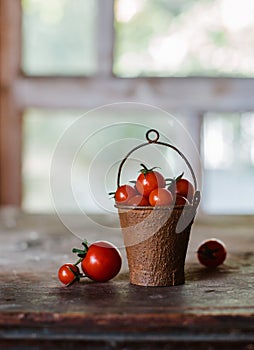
(148, 180)
(161, 197)
(68, 274)
(139, 200)
(185, 189)
(102, 261)
(181, 200)
(124, 193)
(212, 253)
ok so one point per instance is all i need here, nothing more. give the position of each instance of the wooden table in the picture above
(213, 309)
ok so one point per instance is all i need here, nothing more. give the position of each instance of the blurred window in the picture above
(184, 38)
(59, 37)
(62, 58)
(228, 153)
(78, 154)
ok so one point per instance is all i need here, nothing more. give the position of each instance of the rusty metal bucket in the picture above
(156, 238)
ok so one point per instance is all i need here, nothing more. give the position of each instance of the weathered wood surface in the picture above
(213, 309)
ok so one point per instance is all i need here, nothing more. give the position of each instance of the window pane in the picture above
(59, 37)
(184, 38)
(70, 161)
(41, 131)
(228, 149)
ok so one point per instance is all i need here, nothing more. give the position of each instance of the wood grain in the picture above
(213, 309)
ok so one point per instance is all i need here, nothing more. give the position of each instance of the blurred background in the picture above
(185, 67)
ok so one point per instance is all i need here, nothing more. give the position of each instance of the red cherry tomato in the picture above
(68, 274)
(161, 197)
(148, 180)
(212, 253)
(124, 193)
(185, 189)
(181, 201)
(139, 200)
(102, 261)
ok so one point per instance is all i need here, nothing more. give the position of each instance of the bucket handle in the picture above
(155, 140)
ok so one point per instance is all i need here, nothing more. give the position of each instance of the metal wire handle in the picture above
(156, 141)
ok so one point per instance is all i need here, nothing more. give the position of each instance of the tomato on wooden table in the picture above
(212, 253)
(101, 261)
(148, 180)
(68, 274)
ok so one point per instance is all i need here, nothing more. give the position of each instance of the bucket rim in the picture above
(150, 208)
(190, 206)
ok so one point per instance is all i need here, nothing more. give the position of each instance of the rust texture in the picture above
(155, 246)
(156, 239)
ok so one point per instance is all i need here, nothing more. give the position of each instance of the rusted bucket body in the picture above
(156, 242)
(156, 238)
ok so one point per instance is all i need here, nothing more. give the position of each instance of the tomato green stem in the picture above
(81, 253)
(145, 170)
(78, 262)
(72, 282)
(179, 176)
(208, 253)
(76, 279)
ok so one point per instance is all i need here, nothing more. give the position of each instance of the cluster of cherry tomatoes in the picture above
(101, 261)
(152, 189)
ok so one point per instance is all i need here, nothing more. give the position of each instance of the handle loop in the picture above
(155, 140)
